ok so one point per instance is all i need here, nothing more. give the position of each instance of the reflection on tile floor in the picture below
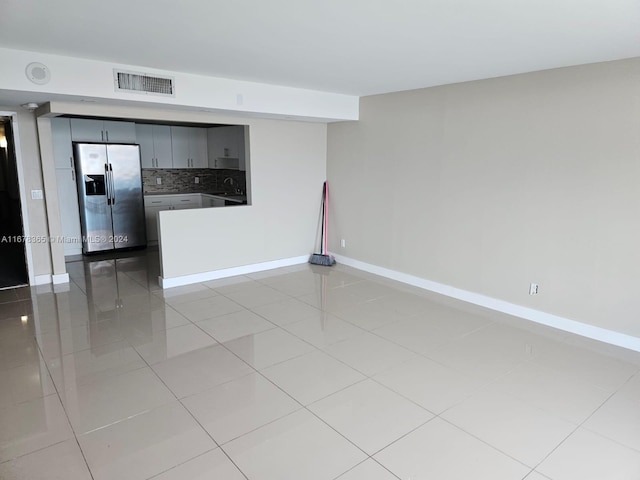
(303, 372)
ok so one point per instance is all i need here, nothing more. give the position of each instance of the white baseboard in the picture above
(60, 278)
(230, 272)
(544, 318)
(42, 279)
(48, 278)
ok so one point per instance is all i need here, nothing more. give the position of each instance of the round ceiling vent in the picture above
(38, 73)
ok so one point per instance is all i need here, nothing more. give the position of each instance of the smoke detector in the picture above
(31, 106)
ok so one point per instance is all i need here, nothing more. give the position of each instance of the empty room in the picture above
(339, 240)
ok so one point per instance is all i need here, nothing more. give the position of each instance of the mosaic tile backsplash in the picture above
(182, 180)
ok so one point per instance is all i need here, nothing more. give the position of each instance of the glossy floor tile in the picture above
(145, 445)
(618, 419)
(589, 456)
(324, 330)
(239, 406)
(429, 384)
(208, 466)
(440, 450)
(31, 426)
(268, 348)
(368, 470)
(200, 370)
(312, 376)
(62, 461)
(370, 415)
(369, 353)
(235, 325)
(111, 400)
(514, 427)
(304, 372)
(296, 446)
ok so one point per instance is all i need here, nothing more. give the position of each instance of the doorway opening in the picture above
(13, 260)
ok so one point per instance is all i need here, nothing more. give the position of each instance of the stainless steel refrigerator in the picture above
(110, 196)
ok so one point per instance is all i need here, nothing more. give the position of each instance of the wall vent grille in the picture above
(142, 83)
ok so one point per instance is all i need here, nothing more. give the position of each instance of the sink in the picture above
(226, 194)
(230, 197)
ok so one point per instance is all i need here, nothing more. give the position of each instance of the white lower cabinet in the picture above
(211, 201)
(157, 203)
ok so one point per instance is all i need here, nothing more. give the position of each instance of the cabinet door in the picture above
(162, 146)
(214, 145)
(180, 137)
(151, 219)
(144, 136)
(182, 202)
(69, 211)
(241, 131)
(119, 132)
(198, 148)
(86, 130)
(62, 149)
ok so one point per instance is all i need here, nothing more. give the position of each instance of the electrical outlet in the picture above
(36, 195)
(197, 179)
(343, 243)
(533, 289)
(158, 181)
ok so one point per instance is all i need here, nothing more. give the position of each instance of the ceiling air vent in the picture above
(135, 82)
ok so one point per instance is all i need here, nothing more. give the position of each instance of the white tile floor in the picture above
(300, 373)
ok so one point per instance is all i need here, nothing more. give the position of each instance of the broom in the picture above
(323, 258)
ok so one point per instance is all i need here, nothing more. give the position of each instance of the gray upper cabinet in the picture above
(89, 130)
(61, 136)
(226, 147)
(155, 145)
(189, 147)
(180, 146)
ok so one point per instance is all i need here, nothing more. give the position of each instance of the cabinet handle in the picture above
(107, 132)
(73, 175)
(71, 161)
(102, 134)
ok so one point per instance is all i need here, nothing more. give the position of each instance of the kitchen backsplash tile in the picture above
(182, 180)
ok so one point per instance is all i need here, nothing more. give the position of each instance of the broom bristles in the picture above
(320, 259)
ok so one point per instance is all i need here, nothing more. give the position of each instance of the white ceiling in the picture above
(358, 47)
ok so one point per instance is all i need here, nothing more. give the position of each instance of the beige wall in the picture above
(36, 209)
(490, 185)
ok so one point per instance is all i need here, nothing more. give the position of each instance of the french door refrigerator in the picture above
(110, 196)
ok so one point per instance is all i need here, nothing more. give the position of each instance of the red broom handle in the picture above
(326, 216)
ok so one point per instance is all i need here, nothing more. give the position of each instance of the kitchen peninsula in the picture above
(182, 166)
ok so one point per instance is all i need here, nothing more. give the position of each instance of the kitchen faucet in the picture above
(236, 189)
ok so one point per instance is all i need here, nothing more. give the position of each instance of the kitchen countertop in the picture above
(222, 195)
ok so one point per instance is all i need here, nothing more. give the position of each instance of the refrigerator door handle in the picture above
(112, 187)
(107, 183)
